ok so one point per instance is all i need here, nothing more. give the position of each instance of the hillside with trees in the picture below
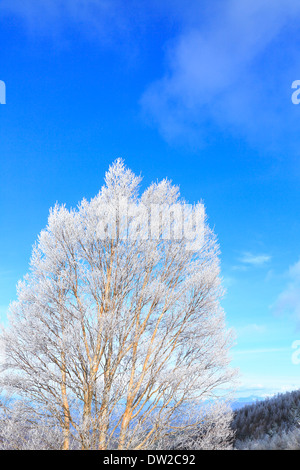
(273, 423)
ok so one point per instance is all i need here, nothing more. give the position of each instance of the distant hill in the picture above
(273, 423)
(244, 401)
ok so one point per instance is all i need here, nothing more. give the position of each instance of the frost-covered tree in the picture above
(118, 333)
(270, 423)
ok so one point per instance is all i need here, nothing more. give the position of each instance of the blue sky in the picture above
(201, 95)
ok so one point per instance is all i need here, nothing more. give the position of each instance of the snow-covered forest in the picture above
(270, 424)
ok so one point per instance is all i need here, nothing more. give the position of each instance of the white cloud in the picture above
(288, 301)
(223, 72)
(220, 70)
(51, 10)
(228, 281)
(102, 20)
(260, 351)
(268, 387)
(254, 259)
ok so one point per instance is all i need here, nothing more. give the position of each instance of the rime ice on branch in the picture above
(118, 335)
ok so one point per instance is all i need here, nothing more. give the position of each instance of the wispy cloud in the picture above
(288, 301)
(36, 12)
(267, 388)
(260, 351)
(254, 259)
(229, 64)
(225, 72)
(103, 20)
(251, 329)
